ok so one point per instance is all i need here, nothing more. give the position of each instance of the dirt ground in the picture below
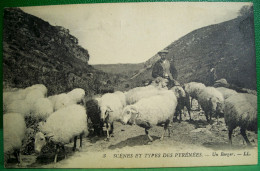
(196, 134)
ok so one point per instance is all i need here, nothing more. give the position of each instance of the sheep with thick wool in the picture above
(152, 110)
(183, 100)
(160, 82)
(241, 111)
(194, 89)
(62, 126)
(77, 96)
(135, 94)
(111, 106)
(42, 109)
(60, 101)
(10, 96)
(211, 101)
(18, 106)
(14, 133)
(42, 88)
(33, 95)
(21, 100)
(226, 92)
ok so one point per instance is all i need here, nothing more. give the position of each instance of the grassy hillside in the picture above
(124, 69)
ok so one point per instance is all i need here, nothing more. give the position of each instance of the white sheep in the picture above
(160, 82)
(62, 126)
(135, 94)
(226, 92)
(42, 108)
(33, 95)
(42, 88)
(211, 101)
(10, 96)
(77, 95)
(193, 89)
(111, 106)
(151, 111)
(14, 133)
(23, 105)
(60, 101)
(29, 94)
(19, 106)
(121, 96)
(241, 111)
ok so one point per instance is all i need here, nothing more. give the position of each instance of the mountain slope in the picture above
(228, 47)
(34, 52)
(123, 69)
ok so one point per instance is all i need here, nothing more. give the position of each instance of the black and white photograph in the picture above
(130, 85)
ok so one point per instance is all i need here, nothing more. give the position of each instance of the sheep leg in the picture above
(65, 154)
(107, 134)
(108, 126)
(188, 108)
(19, 156)
(180, 119)
(243, 133)
(230, 131)
(56, 153)
(176, 115)
(112, 129)
(147, 133)
(16, 156)
(80, 138)
(199, 107)
(75, 143)
(206, 114)
(166, 127)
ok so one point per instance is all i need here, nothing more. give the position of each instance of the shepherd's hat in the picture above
(163, 51)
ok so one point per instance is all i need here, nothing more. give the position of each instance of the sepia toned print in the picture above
(129, 85)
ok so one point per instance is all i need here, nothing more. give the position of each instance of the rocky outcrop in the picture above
(35, 52)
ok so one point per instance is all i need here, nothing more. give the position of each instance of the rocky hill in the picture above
(35, 52)
(228, 47)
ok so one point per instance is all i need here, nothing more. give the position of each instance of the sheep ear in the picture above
(48, 137)
(134, 110)
(109, 109)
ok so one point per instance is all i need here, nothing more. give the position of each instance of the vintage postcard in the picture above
(130, 85)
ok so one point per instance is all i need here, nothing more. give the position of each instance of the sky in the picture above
(133, 32)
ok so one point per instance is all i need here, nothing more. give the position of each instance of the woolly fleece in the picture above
(226, 92)
(42, 108)
(76, 95)
(194, 88)
(135, 94)
(206, 94)
(66, 123)
(241, 110)
(155, 109)
(113, 101)
(14, 131)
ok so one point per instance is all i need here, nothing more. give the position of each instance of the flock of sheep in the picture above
(69, 116)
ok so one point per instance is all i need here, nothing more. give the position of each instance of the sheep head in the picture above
(40, 141)
(129, 114)
(105, 111)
